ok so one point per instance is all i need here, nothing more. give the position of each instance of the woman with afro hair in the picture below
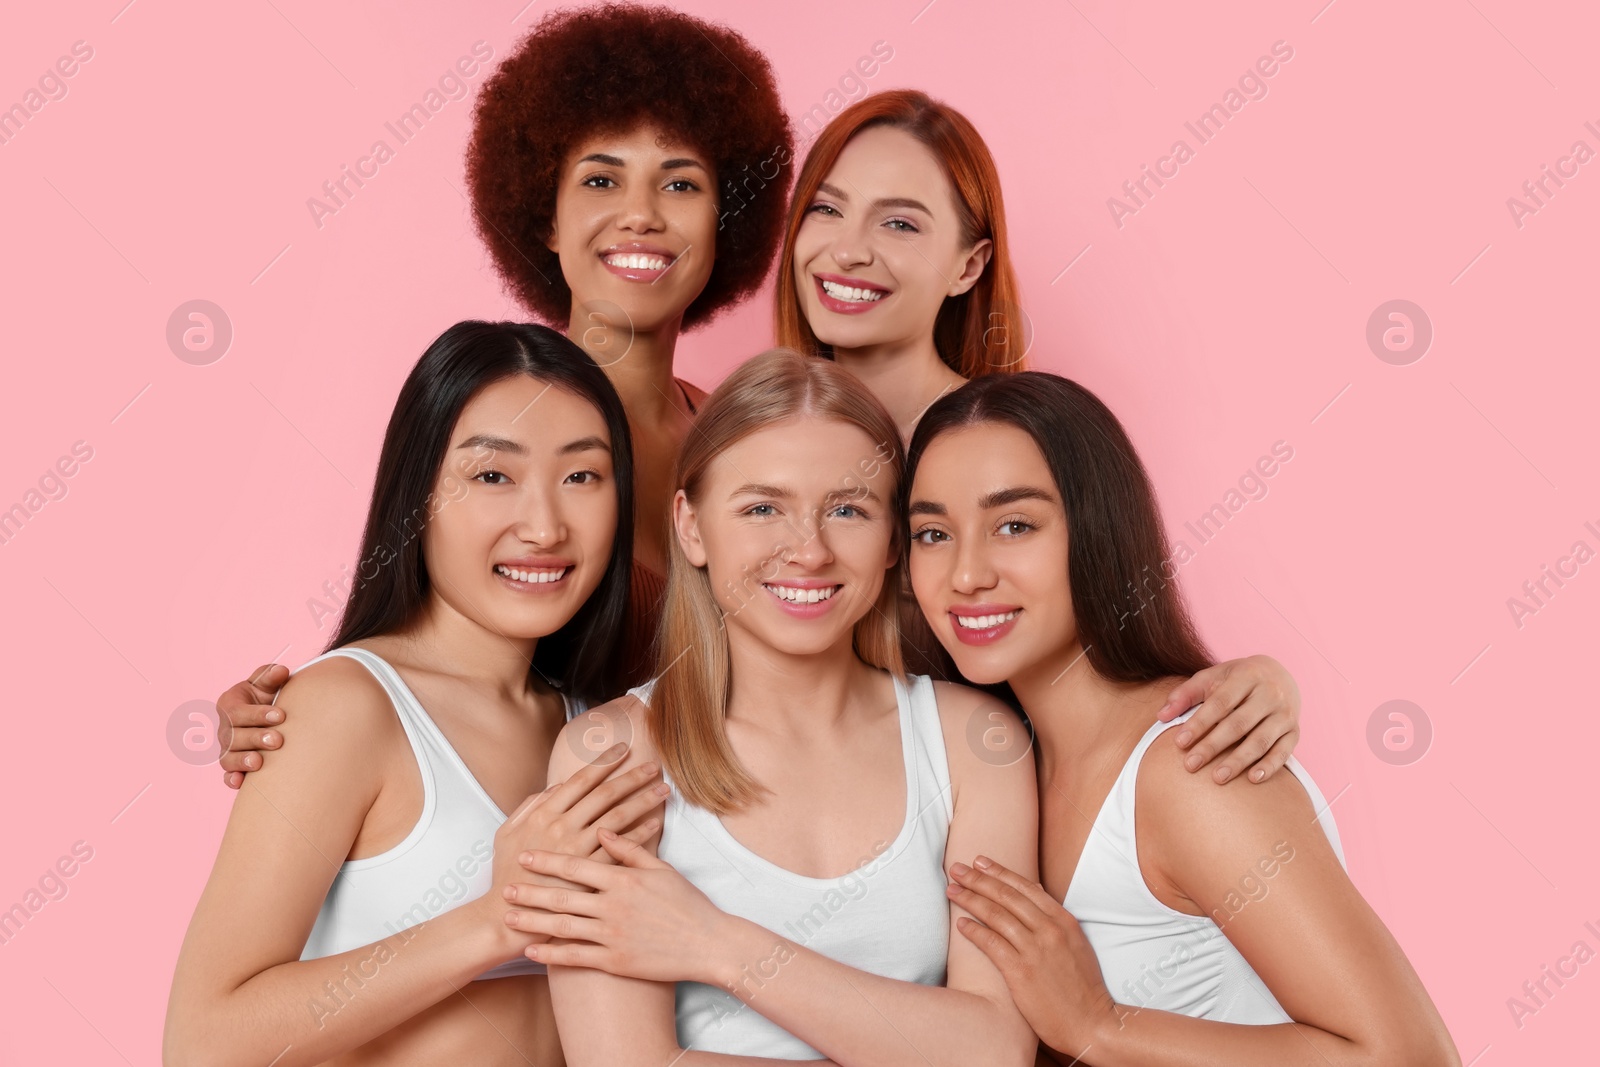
(629, 170)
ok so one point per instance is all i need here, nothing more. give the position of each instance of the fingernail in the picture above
(274, 716)
(526, 857)
(650, 768)
(954, 890)
(617, 749)
(269, 739)
(959, 869)
(1193, 762)
(1259, 775)
(1224, 774)
(663, 790)
(1184, 737)
(607, 835)
(508, 892)
(984, 861)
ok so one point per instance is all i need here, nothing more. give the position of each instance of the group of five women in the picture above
(687, 730)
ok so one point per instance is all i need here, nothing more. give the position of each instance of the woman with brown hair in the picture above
(1174, 922)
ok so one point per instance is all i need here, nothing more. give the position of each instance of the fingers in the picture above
(640, 833)
(571, 868)
(630, 853)
(1035, 892)
(1189, 693)
(554, 899)
(578, 786)
(573, 955)
(533, 801)
(542, 922)
(254, 740)
(240, 763)
(242, 708)
(991, 913)
(269, 678)
(984, 884)
(233, 779)
(1001, 953)
(1275, 758)
(631, 810)
(602, 797)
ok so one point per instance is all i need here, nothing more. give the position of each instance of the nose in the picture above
(972, 569)
(851, 248)
(641, 210)
(539, 518)
(808, 547)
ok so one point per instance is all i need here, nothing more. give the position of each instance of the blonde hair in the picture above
(689, 702)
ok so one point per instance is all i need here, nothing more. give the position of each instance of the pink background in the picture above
(1227, 314)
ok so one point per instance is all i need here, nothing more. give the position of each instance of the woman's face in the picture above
(988, 553)
(795, 527)
(635, 227)
(880, 248)
(524, 510)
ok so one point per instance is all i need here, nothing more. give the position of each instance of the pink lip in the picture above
(840, 306)
(804, 611)
(982, 637)
(535, 563)
(637, 248)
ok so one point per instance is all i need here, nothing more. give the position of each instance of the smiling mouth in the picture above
(850, 294)
(791, 595)
(532, 577)
(985, 622)
(637, 261)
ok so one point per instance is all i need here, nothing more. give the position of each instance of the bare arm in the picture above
(240, 994)
(852, 1016)
(1319, 948)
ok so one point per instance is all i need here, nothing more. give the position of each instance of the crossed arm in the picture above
(646, 927)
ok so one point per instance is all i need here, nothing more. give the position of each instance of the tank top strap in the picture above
(421, 733)
(927, 758)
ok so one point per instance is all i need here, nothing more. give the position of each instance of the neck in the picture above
(447, 641)
(906, 377)
(1080, 715)
(793, 695)
(638, 362)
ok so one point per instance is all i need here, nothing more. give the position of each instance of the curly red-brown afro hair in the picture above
(610, 69)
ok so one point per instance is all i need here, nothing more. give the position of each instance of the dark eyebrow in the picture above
(998, 498)
(505, 444)
(887, 202)
(1001, 497)
(666, 164)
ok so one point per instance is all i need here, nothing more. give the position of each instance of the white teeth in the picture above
(851, 294)
(531, 577)
(631, 261)
(801, 596)
(984, 622)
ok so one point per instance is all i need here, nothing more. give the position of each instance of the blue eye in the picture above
(751, 510)
(896, 223)
(854, 511)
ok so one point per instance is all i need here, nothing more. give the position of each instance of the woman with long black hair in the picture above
(491, 589)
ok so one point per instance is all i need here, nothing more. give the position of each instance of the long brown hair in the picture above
(1130, 615)
(979, 332)
(690, 699)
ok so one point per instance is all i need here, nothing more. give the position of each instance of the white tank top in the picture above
(888, 916)
(443, 862)
(1153, 956)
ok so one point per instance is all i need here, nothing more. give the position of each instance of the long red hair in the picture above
(981, 331)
